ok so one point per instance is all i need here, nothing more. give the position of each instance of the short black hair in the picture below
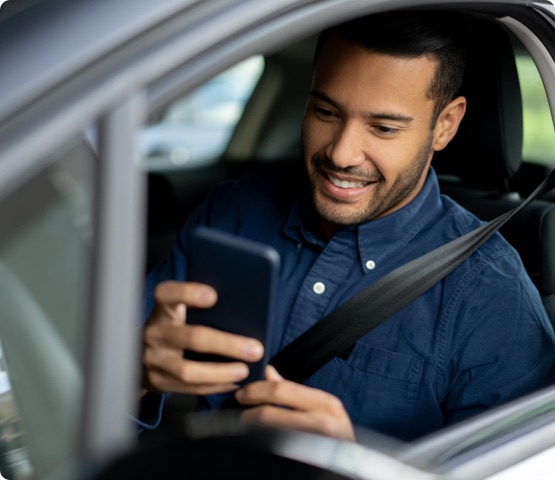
(440, 35)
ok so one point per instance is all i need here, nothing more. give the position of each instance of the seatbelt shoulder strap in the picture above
(340, 329)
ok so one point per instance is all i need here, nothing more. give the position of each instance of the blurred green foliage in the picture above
(539, 134)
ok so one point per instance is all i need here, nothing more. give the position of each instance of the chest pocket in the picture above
(379, 388)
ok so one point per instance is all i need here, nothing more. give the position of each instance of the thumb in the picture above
(272, 374)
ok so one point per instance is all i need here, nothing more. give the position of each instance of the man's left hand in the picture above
(281, 403)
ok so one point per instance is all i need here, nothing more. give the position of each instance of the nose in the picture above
(346, 149)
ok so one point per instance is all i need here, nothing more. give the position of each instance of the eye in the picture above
(385, 130)
(323, 112)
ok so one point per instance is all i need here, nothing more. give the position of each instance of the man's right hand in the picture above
(167, 336)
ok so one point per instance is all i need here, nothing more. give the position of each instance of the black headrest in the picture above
(487, 150)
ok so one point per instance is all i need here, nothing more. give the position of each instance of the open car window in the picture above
(539, 136)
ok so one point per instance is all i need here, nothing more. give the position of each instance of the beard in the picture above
(384, 199)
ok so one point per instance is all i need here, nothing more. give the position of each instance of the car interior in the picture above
(483, 168)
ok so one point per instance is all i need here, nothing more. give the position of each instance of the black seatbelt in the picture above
(339, 330)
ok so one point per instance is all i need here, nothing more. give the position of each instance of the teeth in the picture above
(345, 183)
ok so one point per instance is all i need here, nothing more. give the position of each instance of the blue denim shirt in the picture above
(477, 339)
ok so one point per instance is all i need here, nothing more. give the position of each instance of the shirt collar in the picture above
(387, 234)
(383, 234)
(298, 224)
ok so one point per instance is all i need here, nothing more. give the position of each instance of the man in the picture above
(383, 99)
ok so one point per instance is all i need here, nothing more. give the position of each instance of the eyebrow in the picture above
(397, 117)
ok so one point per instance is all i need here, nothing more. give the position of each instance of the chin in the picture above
(340, 215)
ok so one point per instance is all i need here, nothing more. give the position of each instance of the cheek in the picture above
(317, 135)
(393, 157)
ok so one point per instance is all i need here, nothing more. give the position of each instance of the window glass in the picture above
(45, 263)
(196, 129)
(539, 136)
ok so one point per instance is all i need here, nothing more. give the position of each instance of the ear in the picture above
(448, 123)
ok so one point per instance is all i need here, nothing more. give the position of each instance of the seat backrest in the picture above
(487, 151)
(478, 168)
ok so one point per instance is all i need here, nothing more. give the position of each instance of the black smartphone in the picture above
(245, 275)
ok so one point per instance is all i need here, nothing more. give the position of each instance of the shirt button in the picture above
(370, 265)
(319, 288)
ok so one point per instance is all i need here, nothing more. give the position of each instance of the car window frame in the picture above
(119, 115)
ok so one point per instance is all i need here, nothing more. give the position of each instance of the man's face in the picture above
(367, 132)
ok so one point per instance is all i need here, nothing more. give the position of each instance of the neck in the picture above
(327, 230)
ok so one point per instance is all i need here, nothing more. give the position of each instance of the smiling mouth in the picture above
(346, 183)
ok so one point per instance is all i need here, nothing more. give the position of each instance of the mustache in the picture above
(322, 162)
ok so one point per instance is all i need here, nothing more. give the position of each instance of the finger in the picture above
(169, 385)
(314, 422)
(164, 384)
(189, 293)
(187, 376)
(203, 339)
(190, 371)
(274, 416)
(272, 374)
(171, 299)
(209, 340)
(287, 394)
(171, 360)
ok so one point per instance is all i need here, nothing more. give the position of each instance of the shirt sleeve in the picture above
(502, 344)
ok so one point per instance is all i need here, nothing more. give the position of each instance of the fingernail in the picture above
(207, 294)
(253, 350)
(240, 371)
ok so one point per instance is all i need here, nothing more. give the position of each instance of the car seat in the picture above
(479, 168)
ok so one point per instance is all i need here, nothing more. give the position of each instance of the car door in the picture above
(109, 68)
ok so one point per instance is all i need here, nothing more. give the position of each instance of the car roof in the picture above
(62, 37)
